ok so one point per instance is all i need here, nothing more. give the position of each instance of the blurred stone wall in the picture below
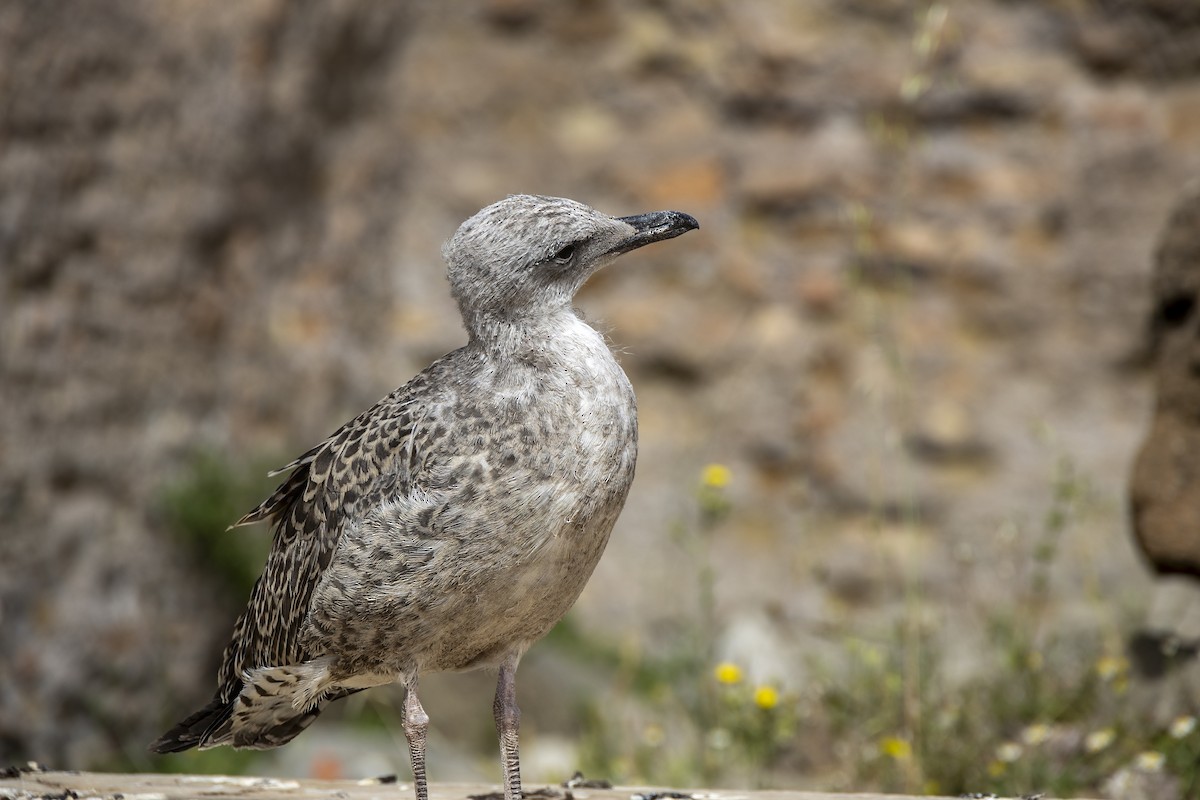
(1165, 484)
(196, 209)
(920, 286)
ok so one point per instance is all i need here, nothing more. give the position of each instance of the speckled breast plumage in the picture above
(495, 539)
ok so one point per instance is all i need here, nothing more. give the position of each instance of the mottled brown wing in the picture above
(324, 492)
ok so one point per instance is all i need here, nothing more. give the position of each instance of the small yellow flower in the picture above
(1009, 752)
(728, 673)
(1149, 761)
(997, 768)
(1099, 740)
(1111, 667)
(1182, 726)
(716, 476)
(896, 748)
(1035, 734)
(766, 697)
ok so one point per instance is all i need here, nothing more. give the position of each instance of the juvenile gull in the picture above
(451, 525)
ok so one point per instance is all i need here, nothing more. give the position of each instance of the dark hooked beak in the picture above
(654, 227)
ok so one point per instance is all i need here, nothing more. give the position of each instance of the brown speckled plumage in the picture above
(453, 524)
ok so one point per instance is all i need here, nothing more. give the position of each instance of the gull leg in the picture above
(508, 720)
(416, 725)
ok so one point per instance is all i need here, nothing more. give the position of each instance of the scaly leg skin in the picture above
(416, 725)
(508, 720)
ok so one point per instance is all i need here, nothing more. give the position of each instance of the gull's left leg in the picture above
(508, 720)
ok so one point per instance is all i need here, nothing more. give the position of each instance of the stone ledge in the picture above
(112, 786)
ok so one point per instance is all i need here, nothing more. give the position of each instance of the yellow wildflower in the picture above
(1182, 726)
(896, 748)
(716, 476)
(1009, 752)
(1150, 761)
(766, 697)
(1035, 734)
(1111, 667)
(728, 673)
(997, 768)
(1098, 740)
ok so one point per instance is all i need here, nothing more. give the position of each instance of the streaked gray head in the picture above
(526, 256)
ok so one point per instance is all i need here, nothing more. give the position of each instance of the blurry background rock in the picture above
(1165, 480)
(911, 332)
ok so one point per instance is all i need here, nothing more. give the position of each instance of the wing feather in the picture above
(324, 491)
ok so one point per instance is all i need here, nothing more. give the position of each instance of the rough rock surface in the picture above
(1166, 477)
(182, 267)
(920, 290)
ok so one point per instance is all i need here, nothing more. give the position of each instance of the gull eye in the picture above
(565, 254)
